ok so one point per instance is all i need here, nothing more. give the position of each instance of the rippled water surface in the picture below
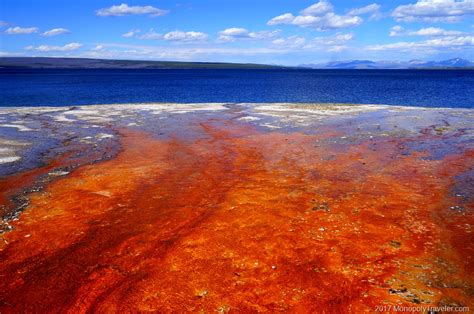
(428, 88)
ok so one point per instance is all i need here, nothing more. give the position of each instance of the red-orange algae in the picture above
(246, 221)
(15, 187)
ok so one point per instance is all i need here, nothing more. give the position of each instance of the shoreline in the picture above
(111, 105)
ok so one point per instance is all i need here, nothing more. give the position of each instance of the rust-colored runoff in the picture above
(243, 220)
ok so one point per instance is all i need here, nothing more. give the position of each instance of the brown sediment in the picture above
(244, 220)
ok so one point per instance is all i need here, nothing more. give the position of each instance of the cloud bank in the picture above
(55, 32)
(21, 30)
(47, 48)
(434, 11)
(321, 16)
(125, 9)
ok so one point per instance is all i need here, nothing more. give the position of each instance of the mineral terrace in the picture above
(235, 207)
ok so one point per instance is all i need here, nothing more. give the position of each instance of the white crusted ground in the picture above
(270, 115)
(10, 150)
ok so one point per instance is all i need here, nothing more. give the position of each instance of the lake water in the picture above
(428, 88)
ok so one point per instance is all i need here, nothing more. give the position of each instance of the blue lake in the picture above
(427, 88)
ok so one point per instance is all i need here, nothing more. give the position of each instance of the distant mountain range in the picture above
(412, 64)
(85, 63)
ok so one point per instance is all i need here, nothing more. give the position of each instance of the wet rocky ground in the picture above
(235, 207)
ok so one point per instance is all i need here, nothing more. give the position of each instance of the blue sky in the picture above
(265, 31)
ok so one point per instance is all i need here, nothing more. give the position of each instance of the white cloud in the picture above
(431, 45)
(47, 48)
(319, 16)
(318, 9)
(21, 30)
(124, 9)
(55, 31)
(428, 31)
(338, 48)
(264, 34)
(176, 36)
(234, 33)
(396, 30)
(305, 20)
(173, 52)
(333, 21)
(185, 36)
(333, 43)
(3, 24)
(99, 48)
(286, 18)
(371, 8)
(343, 37)
(289, 42)
(433, 31)
(434, 11)
(151, 34)
(131, 33)
(327, 22)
